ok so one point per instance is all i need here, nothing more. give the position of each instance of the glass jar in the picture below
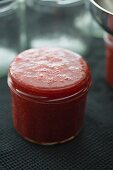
(12, 31)
(57, 23)
(49, 88)
(108, 38)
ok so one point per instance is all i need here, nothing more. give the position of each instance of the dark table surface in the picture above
(91, 150)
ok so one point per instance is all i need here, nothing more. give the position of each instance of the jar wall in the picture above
(48, 123)
(109, 58)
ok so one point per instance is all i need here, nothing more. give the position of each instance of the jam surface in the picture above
(45, 69)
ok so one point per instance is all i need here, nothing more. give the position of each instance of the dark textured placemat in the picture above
(91, 150)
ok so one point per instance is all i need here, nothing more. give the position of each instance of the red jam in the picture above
(109, 58)
(49, 88)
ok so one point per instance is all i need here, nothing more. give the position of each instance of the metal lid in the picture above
(102, 12)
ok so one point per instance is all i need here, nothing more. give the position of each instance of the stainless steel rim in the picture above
(102, 16)
(101, 8)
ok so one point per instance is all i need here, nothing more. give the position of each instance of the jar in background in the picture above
(49, 88)
(12, 31)
(108, 38)
(57, 23)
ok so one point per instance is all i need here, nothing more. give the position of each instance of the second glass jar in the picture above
(55, 23)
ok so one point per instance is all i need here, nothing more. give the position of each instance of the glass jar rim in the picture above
(46, 99)
(58, 3)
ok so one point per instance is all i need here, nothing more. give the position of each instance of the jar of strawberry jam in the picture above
(108, 38)
(49, 87)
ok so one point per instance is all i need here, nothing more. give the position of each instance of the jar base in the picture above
(52, 143)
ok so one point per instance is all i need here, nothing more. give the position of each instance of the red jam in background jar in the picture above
(109, 58)
(49, 88)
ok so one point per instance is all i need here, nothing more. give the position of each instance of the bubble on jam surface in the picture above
(48, 68)
(74, 68)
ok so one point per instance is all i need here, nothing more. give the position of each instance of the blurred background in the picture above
(37, 23)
